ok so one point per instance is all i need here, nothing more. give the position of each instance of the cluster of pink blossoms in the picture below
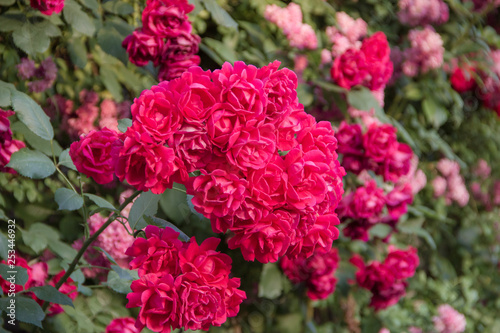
(357, 62)
(181, 284)
(37, 277)
(423, 12)
(289, 20)
(8, 145)
(317, 272)
(122, 325)
(449, 320)
(450, 184)
(231, 125)
(426, 52)
(387, 280)
(43, 76)
(482, 189)
(89, 116)
(47, 7)
(165, 38)
(377, 150)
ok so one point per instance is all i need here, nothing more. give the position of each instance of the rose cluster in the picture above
(181, 284)
(426, 52)
(165, 38)
(48, 7)
(37, 277)
(43, 76)
(317, 272)
(450, 184)
(449, 320)
(122, 325)
(386, 280)
(8, 145)
(347, 34)
(289, 20)
(422, 12)
(231, 125)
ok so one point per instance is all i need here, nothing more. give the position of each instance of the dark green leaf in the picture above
(4, 246)
(68, 199)
(32, 164)
(17, 274)
(77, 52)
(362, 99)
(111, 83)
(11, 21)
(219, 15)
(100, 201)
(35, 141)
(7, 2)
(65, 159)
(32, 115)
(118, 7)
(271, 283)
(93, 5)
(380, 230)
(123, 124)
(124, 274)
(110, 42)
(4, 96)
(145, 205)
(38, 236)
(52, 295)
(225, 52)
(435, 113)
(78, 19)
(119, 285)
(48, 28)
(63, 250)
(30, 39)
(27, 310)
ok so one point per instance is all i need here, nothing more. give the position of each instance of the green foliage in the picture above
(51, 294)
(145, 205)
(27, 310)
(32, 164)
(68, 199)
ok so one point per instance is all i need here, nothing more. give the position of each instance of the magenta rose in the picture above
(368, 201)
(350, 139)
(349, 69)
(158, 300)
(212, 267)
(379, 140)
(47, 7)
(234, 297)
(403, 264)
(377, 53)
(397, 163)
(158, 253)
(220, 193)
(320, 287)
(358, 230)
(193, 146)
(95, 154)
(156, 112)
(166, 19)
(398, 199)
(319, 237)
(122, 325)
(147, 165)
(224, 128)
(143, 47)
(254, 148)
(268, 185)
(289, 126)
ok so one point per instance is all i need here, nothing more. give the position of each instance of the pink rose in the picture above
(178, 55)
(47, 7)
(158, 253)
(397, 163)
(398, 199)
(379, 66)
(321, 287)
(349, 69)
(192, 146)
(379, 140)
(350, 138)
(368, 201)
(402, 263)
(143, 47)
(268, 185)
(166, 18)
(95, 154)
(122, 325)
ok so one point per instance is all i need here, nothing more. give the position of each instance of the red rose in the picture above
(234, 297)
(368, 201)
(48, 7)
(350, 139)
(379, 140)
(95, 154)
(193, 146)
(254, 148)
(156, 111)
(265, 240)
(178, 55)
(320, 287)
(462, 80)
(143, 47)
(378, 63)
(319, 237)
(402, 263)
(268, 185)
(220, 193)
(147, 165)
(158, 253)
(289, 127)
(173, 69)
(210, 266)
(122, 325)
(166, 18)
(319, 136)
(397, 163)
(158, 300)
(224, 128)
(398, 199)
(350, 69)
(358, 229)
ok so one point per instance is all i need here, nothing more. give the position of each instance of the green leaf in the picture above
(65, 159)
(380, 230)
(124, 274)
(35, 141)
(145, 205)
(78, 19)
(111, 83)
(271, 283)
(123, 124)
(100, 201)
(63, 250)
(4, 96)
(7, 2)
(219, 15)
(118, 7)
(362, 99)
(68, 199)
(110, 258)
(225, 52)
(19, 274)
(11, 21)
(30, 39)
(52, 295)
(119, 285)
(435, 114)
(32, 164)
(38, 236)
(77, 52)
(32, 115)
(50, 29)
(151, 220)
(93, 5)
(328, 86)
(4, 246)
(27, 310)
(110, 41)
